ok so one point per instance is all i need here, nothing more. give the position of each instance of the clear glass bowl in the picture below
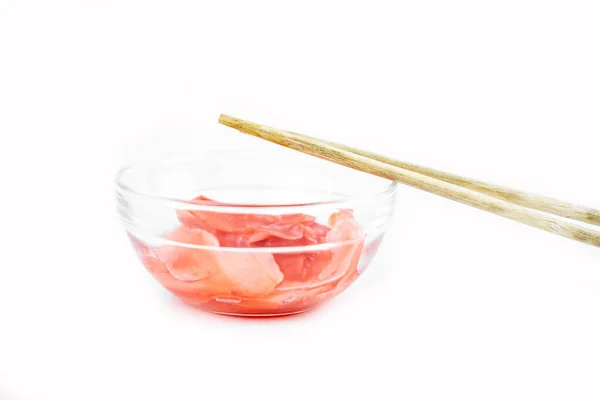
(277, 232)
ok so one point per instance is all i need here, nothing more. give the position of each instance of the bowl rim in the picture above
(210, 205)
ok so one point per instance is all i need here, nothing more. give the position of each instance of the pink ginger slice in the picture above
(189, 264)
(344, 229)
(251, 274)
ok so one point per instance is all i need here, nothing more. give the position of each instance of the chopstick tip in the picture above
(227, 120)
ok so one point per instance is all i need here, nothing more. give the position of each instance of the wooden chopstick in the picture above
(529, 200)
(452, 187)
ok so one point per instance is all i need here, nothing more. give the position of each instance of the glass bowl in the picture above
(253, 232)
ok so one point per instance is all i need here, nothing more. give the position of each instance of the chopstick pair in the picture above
(530, 209)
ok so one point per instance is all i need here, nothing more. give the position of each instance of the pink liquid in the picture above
(256, 283)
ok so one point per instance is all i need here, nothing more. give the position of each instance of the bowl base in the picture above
(265, 315)
(223, 309)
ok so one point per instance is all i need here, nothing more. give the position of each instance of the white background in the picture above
(457, 304)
